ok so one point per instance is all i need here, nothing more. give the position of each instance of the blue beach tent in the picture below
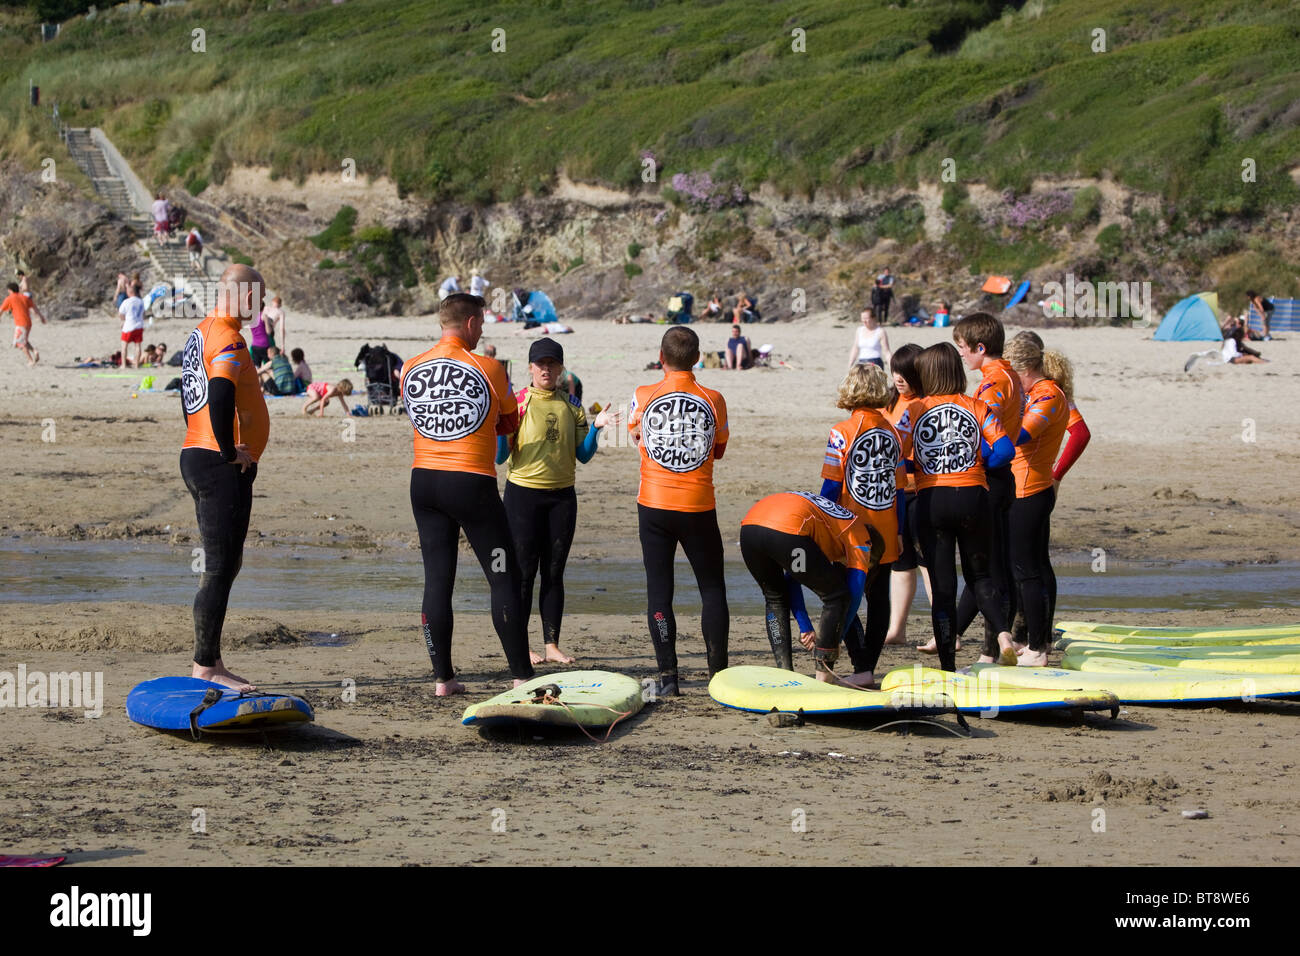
(1195, 319)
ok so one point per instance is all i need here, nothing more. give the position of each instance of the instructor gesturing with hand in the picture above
(226, 429)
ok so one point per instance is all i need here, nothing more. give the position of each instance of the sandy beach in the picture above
(1192, 469)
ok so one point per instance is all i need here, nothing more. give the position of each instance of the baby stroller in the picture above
(679, 308)
(383, 384)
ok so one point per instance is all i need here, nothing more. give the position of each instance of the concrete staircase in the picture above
(170, 261)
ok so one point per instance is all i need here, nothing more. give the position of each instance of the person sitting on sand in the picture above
(713, 312)
(322, 393)
(301, 371)
(277, 374)
(739, 352)
(1235, 349)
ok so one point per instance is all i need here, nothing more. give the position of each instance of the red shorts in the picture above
(136, 336)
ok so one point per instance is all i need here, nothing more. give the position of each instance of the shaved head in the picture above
(240, 292)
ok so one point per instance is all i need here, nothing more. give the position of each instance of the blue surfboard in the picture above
(1017, 295)
(200, 706)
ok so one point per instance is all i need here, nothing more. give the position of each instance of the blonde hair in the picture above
(1050, 362)
(1024, 354)
(866, 386)
(344, 386)
(1058, 368)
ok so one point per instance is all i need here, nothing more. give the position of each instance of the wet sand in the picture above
(394, 778)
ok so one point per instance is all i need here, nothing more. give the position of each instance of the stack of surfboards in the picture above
(1152, 665)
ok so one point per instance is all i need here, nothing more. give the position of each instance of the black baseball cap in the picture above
(544, 349)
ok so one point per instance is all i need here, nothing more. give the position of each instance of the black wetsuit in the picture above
(543, 521)
(444, 503)
(697, 532)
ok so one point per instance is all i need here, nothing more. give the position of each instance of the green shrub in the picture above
(337, 236)
(327, 263)
(633, 250)
(1087, 206)
(631, 269)
(1110, 241)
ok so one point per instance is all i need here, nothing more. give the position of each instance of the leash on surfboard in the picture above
(544, 695)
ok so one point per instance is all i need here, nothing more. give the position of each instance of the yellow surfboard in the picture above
(987, 695)
(765, 689)
(1168, 658)
(1171, 636)
(1136, 683)
(1084, 645)
(584, 698)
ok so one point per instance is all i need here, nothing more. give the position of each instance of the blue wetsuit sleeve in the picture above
(831, 490)
(797, 606)
(857, 581)
(1002, 452)
(587, 450)
(1024, 437)
(503, 449)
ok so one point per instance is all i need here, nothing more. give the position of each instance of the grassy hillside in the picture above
(882, 95)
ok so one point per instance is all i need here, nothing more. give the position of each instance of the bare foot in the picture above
(517, 683)
(453, 686)
(534, 657)
(218, 674)
(900, 638)
(930, 647)
(1020, 648)
(863, 679)
(987, 659)
(1033, 659)
(554, 655)
(1008, 649)
(826, 677)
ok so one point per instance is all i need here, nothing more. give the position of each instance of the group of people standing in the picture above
(917, 471)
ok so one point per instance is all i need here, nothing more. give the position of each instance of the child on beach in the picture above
(301, 371)
(863, 472)
(322, 393)
(21, 308)
(980, 338)
(680, 428)
(1044, 423)
(950, 436)
(902, 584)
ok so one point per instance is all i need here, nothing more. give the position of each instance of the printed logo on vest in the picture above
(828, 506)
(446, 399)
(871, 467)
(946, 440)
(194, 377)
(677, 431)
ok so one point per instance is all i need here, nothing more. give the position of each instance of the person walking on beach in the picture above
(226, 431)
(458, 404)
(21, 308)
(540, 500)
(681, 429)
